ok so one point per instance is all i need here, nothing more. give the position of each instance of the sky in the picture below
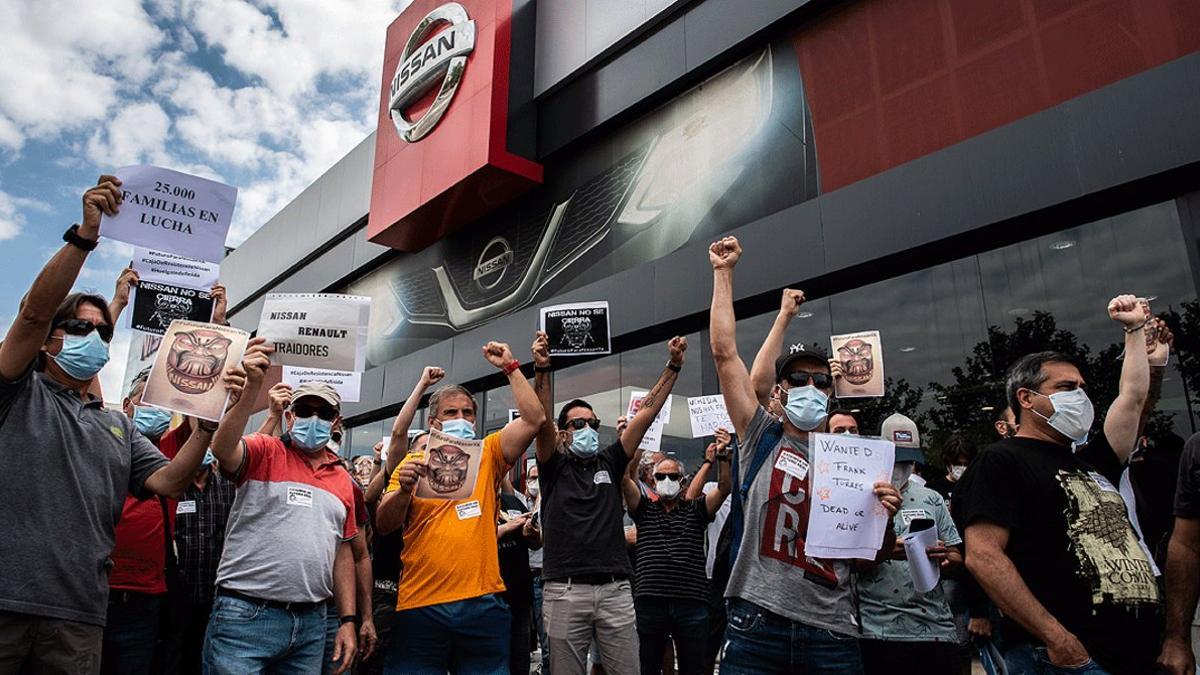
(261, 94)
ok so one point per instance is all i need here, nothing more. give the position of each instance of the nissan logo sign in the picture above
(431, 62)
(493, 263)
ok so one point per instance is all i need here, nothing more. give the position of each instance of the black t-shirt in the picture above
(670, 550)
(514, 559)
(1187, 492)
(581, 514)
(385, 550)
(1071, 542)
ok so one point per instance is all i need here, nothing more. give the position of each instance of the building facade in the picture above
(975, 180)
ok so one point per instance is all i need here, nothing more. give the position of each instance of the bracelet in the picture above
(208, 427)
(1135, 328)
(71, 236)
(512, 367)
(542, 369)
(706, 461)
(673, 367)
(349, 618)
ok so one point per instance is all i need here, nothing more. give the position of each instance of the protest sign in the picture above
(186, 376)
(166, 210)
(156, 305)
(317, 330)
(652, 440)
(142, 349)
(578, 328)
(346, 383)
(513, 414)
(923, 571)
(708, 414)
(176, 270)
(861, 356)
(453, 468)
(846, 519)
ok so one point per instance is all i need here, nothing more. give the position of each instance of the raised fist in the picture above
(497, 354)
(432, 375)
(1128, 310)
(257, 359)
(676, 347)
(724, 254)
(792, 299)
(541, 349)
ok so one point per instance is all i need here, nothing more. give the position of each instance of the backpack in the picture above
(766, 443)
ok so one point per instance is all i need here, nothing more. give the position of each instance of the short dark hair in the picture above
(69, 307)
(1000, 417)
(577, 403)
(957, 445)
(842, 411)
(1027, 373)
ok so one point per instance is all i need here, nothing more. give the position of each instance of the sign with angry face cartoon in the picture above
(861, 358)
(453, 467)
(186, 375)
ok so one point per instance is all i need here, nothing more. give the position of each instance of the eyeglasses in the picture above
(666, 476)
(580, 423)
(800, 378)
(83, 328)
(327, 413)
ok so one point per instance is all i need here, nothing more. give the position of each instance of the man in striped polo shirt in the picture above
(287, 544)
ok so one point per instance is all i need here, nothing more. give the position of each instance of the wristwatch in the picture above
(71, 236)
(349, 618)
(208, 427)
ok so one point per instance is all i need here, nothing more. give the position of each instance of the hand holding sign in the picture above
(125, 283)
(541, 350)
(853, 498)
(103, 199)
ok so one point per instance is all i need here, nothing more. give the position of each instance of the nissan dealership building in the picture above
(972, 179)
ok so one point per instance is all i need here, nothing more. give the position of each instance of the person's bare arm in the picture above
(762, 371)
(629, 486)
(695, 487)
(547, 437)
(714, 499)
(1183, 590)
(120, 299)
(29, 330)
(1157, 353)
(995, 572)
(398, 444)
(393, 510)
(379, 477)
(279, 397)
(172, 480)
(1122, 422)
(220, 300)
(654, 400)
(516, 436)
(740, 400)
(346, 642)
(227, 444)
(364, 580)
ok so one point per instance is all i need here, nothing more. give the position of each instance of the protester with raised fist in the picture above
(586, 571)
(288, 542)
(69, 485)
(1047, 534)
(788, 612)
(449, 613)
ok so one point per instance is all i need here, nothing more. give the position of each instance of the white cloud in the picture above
(138, 133)
(11, 217)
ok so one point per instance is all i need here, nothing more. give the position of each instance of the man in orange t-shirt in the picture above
(449, 614)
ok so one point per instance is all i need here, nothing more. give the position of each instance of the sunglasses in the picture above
(579, 423)
(83, 328)
(799, 378)
(666, 476)
(325, 412)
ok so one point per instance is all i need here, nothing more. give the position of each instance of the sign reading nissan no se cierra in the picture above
(442, 147)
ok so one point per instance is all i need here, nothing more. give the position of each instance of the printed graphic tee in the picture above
(1071, 541)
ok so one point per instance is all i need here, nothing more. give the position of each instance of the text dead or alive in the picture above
(171, 208)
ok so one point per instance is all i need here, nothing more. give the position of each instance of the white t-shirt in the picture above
(714, 529)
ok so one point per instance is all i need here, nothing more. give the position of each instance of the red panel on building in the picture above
(461, 169)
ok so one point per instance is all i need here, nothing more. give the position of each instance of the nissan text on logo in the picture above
(493, 262)
(424, 63)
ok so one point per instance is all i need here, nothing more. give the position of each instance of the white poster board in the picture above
(167, 210)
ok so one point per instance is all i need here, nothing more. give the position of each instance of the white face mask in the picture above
(533, 487)
(956, 471)
(1073, 414)
(667, 489)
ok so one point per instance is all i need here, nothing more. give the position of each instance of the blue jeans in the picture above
(662, 619)
(759, 642)
(130, 633)
(1028, 659)
(541, 626)
(250, 637)
(468, 637)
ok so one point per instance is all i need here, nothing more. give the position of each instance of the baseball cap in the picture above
(904, 433)
(321, 390)
(797, 352)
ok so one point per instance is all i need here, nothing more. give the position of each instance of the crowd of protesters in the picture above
(135, 541)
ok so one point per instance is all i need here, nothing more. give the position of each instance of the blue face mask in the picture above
(82, 356)
(151, 421)
(459, 428)
(585, 443)
(311, 433)
(806, 407)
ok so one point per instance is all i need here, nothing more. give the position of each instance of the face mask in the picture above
(533, 488)
(311, 433)
(956, 471)
(82, 357)
(1073, 414)
(806, 407)
(459, 428)
(209, 458)
(901, 473)
(667, 489)
(151, 421)
(585, 443)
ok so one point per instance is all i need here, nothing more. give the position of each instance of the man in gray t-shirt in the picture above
(66, 463)
(787, 612)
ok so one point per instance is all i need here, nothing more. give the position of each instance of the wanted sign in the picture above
(169, 268)
(156, 305)
(317, 330)
(166, 210)
(577, 329)
(186, 376)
